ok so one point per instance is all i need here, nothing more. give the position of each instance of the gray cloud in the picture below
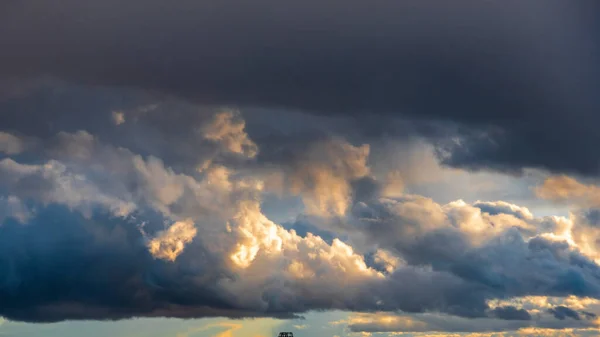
(80, 243)
(519, 79)
(511, 313)
(384, 322)
(167, 202)
(455, 238)
(562, 312)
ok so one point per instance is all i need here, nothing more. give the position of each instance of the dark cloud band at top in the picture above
(525, 72)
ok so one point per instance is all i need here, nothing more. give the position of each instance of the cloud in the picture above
(53, 182)
(11, 144)
(230, 133)
(168, 244)
(434, 323)
(511, 313)
(567, 189)
(13, 207)
(118, 117)
(235, 244)
(382, 322)
(500, 252)
(561, 312)
(177, 241)
(427, 70)
(387, 260)
(323, 175)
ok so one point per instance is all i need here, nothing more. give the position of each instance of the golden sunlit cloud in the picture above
(168, 244)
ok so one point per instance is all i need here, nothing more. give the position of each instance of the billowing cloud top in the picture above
(248, 159)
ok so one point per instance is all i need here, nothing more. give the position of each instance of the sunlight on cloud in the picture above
(227, 128)
(567, 189)
(324, 173)
(168, 244)
(384, 250)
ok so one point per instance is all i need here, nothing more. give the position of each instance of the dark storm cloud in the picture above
(511, 313)
(58, 264)
(62, 266)
(499, 85)
(562, 312)
(524, 75)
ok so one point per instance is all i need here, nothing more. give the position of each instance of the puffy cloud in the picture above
(196, 243)
(583, 231)
(228, 129)
(323, 174)
(567, 189)
(501, 252)
(502, 207)
(387, 260)
(169, 243)
(225, 208)
(53, 182)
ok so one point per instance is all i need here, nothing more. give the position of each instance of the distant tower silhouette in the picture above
(286, 334)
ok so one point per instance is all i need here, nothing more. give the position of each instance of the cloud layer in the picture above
(266, 160)
(517, 79)
(92, 230)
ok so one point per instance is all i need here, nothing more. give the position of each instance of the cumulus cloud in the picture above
(387, 260)
(228, 129)
(53, 182)
(153, 206)
(183, 242)
(499, 251)
(324, 173)
(169, 243)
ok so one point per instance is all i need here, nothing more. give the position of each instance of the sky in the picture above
(333, 169)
